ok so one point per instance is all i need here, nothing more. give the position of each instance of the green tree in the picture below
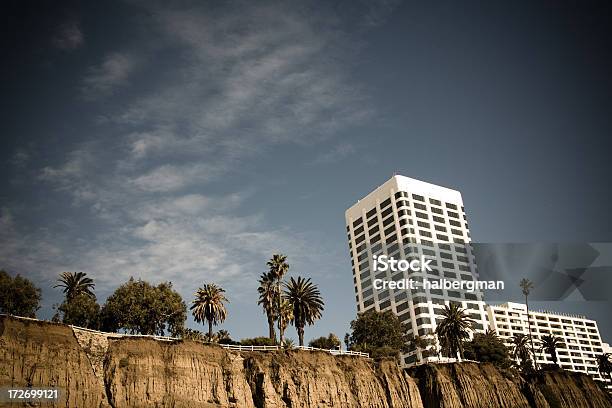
(605, 365)
(331, 342)
(268, 299)
(550, 344)
(520, 349)
(487, 347)
(526, 286)
(278, 268)
(453, 330)
(19, 296)
(307, 304)
(377, 333)
(139, 307)
(209, 306)
(81, 310)
(74, 284)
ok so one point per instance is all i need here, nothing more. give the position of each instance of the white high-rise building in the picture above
(410, 219)
(580, 336)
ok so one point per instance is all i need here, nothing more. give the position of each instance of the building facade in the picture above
(410, 219)
(581, 340)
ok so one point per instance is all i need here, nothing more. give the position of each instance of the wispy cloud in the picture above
(268, 75)
(239, 85)
(169, 178)
(335, 153)
(20, 158)
(113, 72)
(69, 36)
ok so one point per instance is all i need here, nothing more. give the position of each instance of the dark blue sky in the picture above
(189, 142)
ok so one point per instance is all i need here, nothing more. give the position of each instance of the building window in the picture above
(420, 206)
(388, 221)
(421, 215)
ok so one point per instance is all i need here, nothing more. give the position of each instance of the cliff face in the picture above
(150, 373)
(41, 354)
(572, 390)
(301, 380)
(468, 385)
(98, 370)
(146, 372)
(472, 385)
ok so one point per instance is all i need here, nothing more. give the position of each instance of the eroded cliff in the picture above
(40, 354)
(104, 370)
(473, 385)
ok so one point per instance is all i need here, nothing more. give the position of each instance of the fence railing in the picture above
(240, 347)
(334, 352)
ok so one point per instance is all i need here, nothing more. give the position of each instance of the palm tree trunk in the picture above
(210, 332)
(300, 331)
(272, 333)
(280, 314)
(535, 364)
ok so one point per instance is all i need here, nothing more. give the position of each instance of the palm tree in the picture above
(521, 350)
(550, 345)
(287, 315)
(604, 365)
(526, 286)
(278, 268)
(491, 335)
(74, 284)
(454, 329)
(307, 304)
(208, 305)
(268, 295)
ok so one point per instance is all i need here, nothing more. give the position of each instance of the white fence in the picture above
(306, 348)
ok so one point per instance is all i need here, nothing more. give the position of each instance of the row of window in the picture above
(545, 318)
(400, 202)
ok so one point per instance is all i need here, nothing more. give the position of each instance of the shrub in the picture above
(330, 342)
(258, 341)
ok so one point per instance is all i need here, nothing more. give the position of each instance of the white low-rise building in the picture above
(580, 336)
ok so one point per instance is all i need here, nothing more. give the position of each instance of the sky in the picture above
(189, 141)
